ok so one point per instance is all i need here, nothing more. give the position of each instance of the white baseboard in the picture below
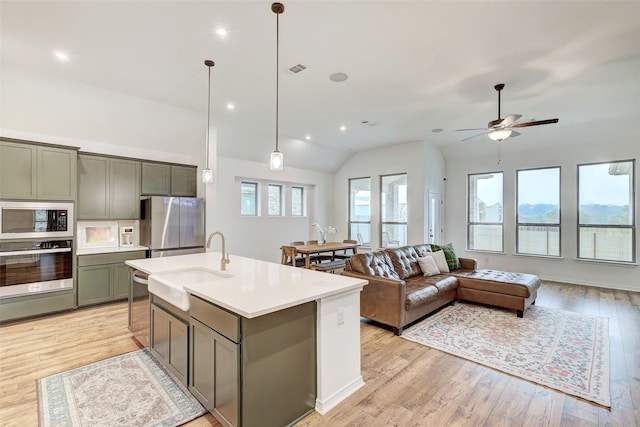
(324, 406)
(587, 283)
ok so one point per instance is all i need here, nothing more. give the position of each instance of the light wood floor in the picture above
(406, 384)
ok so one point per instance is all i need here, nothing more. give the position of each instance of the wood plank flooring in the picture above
(407, 384)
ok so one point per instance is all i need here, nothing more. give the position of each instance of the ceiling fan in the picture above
(501, 129)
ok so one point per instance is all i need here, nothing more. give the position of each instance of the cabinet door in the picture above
(124, 189)
(93, 187)
(121, 280)
(17, 170)
(184, 181)
(201, 372)
(159, 343)
(178, 348)
(94, 284)
(56, 173)
(156, 179)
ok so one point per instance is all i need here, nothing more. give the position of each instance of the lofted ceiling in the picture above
(136, 75)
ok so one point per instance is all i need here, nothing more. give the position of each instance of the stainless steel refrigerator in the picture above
(172, 225)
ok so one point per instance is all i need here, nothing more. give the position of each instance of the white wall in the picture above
(567, 268)
(424, 166)
(261, 236)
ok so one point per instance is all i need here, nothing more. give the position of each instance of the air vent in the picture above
(297, 68)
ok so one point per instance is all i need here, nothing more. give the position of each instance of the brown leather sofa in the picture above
(399, 294)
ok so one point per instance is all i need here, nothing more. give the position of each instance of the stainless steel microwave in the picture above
(24, 220)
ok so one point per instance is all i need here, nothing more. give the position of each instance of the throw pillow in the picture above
(428, 265)
(450, 254)
(441, 261)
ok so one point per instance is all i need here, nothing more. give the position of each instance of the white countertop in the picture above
(92, 251)
(255, 287)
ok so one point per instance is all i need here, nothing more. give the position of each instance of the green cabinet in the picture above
(169, 339)
(233, 357)
(104, 277)
(32, 171)
(163, 179)
(108, 188)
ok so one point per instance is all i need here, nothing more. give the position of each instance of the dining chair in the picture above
(290, 257)
(345, 255)
(318, 257)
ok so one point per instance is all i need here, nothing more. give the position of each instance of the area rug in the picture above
(562, 350)
(128, 390)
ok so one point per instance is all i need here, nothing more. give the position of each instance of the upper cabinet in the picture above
(108, 188)
(35, 171)
(162, 179)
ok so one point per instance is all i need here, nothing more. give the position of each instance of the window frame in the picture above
(394, 223)
(531, 224)
(632, 205)
(470, 223)
(350, 222)
(303, 212)
(281, 200)
(256, 198)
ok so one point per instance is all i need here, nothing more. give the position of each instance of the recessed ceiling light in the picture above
(308, 137)
(338, 77)
(222, 32)
(230, 106)
(343, 128)
(62, 56)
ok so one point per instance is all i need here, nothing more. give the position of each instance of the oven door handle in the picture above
(35, 252)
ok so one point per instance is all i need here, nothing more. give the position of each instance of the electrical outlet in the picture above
(340, 316)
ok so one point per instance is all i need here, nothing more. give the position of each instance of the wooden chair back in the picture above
(289, 254)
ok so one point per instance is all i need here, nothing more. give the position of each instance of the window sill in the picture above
(549, 257)
(602, 261)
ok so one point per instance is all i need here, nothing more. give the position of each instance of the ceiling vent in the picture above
(297, 68)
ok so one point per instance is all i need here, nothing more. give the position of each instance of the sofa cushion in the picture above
(422, 290)
(428, 265)
(405, 261)
(423, 249)
(374, 264)
(450, 254)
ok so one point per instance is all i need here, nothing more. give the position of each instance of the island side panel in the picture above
(338, 347)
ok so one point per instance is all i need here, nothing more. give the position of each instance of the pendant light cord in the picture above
(208, 116)
(277, 73)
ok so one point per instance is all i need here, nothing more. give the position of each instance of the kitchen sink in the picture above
(169, 285)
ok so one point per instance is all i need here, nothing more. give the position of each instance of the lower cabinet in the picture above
(104, 277)
(253, 372)
(169, 341)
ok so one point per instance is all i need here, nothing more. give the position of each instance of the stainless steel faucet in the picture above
(224, 261)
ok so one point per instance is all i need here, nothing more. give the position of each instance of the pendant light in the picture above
(277, 158)
(207, 173)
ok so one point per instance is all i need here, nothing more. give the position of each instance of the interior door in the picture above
(436, 231)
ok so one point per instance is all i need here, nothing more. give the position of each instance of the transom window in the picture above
(297, 201)
(275, 200)
(606, 224)
(249, 198)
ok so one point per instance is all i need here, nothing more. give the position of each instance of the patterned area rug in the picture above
(128, 390)
(566, 351)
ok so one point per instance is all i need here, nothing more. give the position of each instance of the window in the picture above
(538, 216)
(393, 210)
(297, 201)
(485, 224)
(249, 198)
(360, 210)
(606, 229)
(275, 200)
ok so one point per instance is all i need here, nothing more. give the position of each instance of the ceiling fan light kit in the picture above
(501, 129)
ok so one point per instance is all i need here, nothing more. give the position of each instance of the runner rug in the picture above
(562, 350)
(128, 390)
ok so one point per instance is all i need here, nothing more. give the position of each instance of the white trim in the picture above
(325, 405)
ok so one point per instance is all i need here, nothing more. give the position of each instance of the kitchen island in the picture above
(260, 292)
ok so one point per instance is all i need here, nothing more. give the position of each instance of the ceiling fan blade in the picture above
(510, 119)
(514, 134)
(535, 123)
(458, 130)
(473, 136)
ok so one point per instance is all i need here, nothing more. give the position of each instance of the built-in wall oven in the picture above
(28, 268)
(35, 248)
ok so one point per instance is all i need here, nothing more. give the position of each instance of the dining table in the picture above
(316, 248)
